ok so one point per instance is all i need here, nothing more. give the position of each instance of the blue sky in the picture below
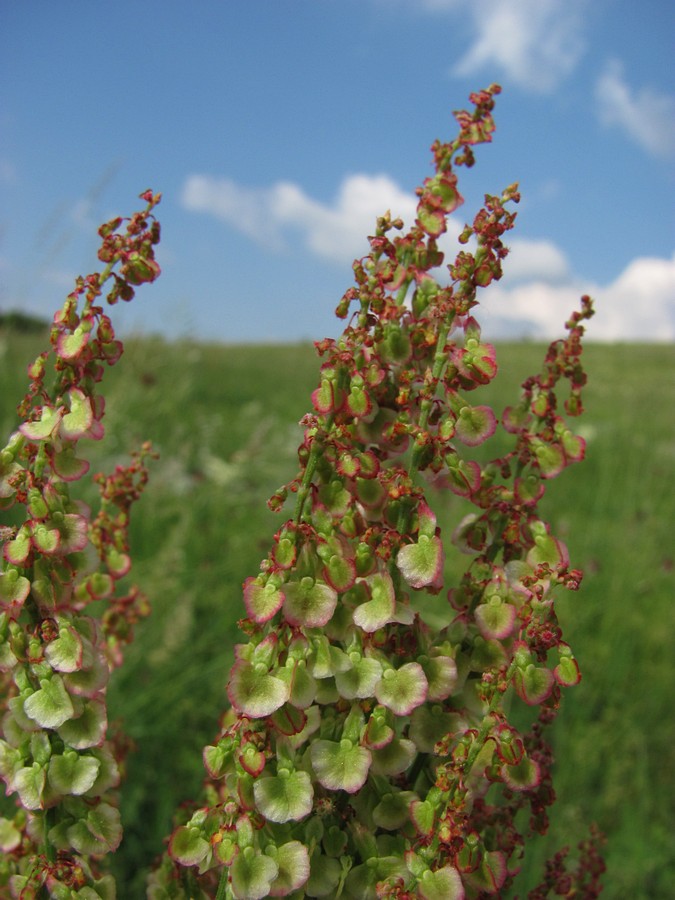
(278, 131)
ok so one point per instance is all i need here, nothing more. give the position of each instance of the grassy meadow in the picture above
(224, 420)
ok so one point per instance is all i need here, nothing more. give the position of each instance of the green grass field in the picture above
(224, 420)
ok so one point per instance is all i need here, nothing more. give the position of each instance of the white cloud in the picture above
(534, 299)
(638, 305)
(337, 232)
(539, 259)
(246, 209)
(646, 116)
(536, 43)
(334, 231)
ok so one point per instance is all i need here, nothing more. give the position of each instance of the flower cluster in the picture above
(367, 754)
(56, 754)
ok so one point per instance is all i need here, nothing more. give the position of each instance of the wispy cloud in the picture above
(535, 259)
(638, 305)
(535, 43)
(647, 116)
(333, 231)
(534, 299)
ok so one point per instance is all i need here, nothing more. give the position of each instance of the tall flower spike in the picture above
(56, 753)
(370, 753)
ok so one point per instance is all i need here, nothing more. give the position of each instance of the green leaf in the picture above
(254, 692)
(285, 797)
(262, 601)
(289, 720)
(573, 445)
(309, 603)
(40, 747)
(327, 397)
(441, 675)
(421, 564)
(363, 879)
(523, 776)
(8, 468)
(78, 421)
(334, 841)
(87, 682)
(251, 759)
(252, 875)
(495, 619)
(396, 346)
(379, 610)
(14, 589)
(45, 539)
(98, 831)
(187, 846)
(394, 757)
(402, 690)
(378, 731)
(29, 783)
(7, 658)
(533, 683)
(429, 724)
(431, 220)
(340, 766)
(88, 729)
(139, 268)
(324, 876)
(443, 884)
(218, 758)
(328, 660)
(486, 654)
(475, 424)
(423, 816)
(10, 836)
(340, 572)
(358, 683)
(51, 705)
(393, 810)
(74, 531)
(64, 654)
(444, 186)
(108, 772)
(71, 773)
(118, 563)
(358, 401)
(302, 685)
(550, 457)
(370, 493)
(490, 874)
(567, 672)
(292, 859)
(42, 428)
(70, 345)
(312, 718)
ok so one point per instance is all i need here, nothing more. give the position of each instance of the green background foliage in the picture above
(224, 419)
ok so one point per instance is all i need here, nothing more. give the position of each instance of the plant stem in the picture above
(440, 361)
(222, 884)
(306, 484)
(49, 820)
(486, 725)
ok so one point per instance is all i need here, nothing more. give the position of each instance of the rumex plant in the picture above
(367, 753)
(58, 757)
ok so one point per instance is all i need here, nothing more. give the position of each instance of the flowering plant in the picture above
(366, 752)
(57, 754)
